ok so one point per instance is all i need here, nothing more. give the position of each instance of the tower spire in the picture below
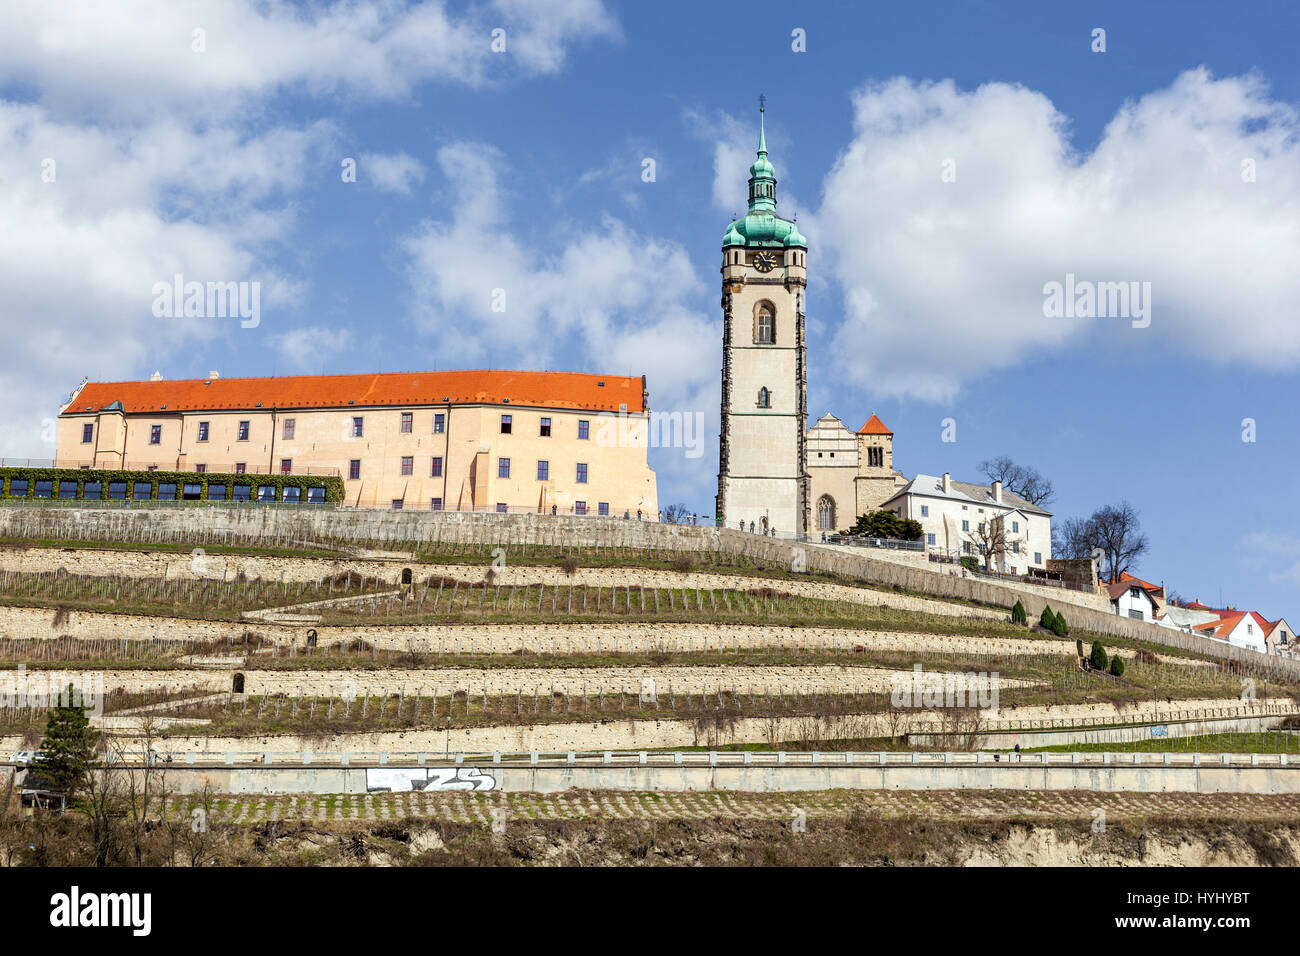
(762, 133)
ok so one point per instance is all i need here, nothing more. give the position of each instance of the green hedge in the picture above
(333, 485)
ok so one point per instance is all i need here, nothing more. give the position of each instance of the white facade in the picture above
(951, 514)
(1184, 618)
(1243, 631)
(1136, 603)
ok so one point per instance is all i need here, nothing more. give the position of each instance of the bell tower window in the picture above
(765, 326)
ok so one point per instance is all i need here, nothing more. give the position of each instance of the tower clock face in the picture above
(764, 261)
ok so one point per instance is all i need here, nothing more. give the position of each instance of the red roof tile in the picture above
(1224, 625)
(874, 426)
(473, 386)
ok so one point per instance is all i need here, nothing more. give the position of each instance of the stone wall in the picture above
(540, 638)
(597, 734)
(570, 681)
(170, 565)
(395, 527)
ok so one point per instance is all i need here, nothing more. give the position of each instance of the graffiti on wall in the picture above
(407, 779)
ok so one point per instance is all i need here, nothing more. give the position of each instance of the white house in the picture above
(1131, 599)
(1239, 628)
(1280, 638)
(960, 518)
(1185, 618)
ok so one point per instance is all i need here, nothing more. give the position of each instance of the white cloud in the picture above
(88, 55)
(165, 161)
(79, 255)
(395, 172)
(622, 299)
(734, 144)
(308, 347)
(943, 281)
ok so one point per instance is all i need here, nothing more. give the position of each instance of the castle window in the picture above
(764, 398)
(243, 431)
(876, 457)
(288, 429)
(765, 325)
(826, 513)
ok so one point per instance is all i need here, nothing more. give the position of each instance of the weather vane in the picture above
(762, 100)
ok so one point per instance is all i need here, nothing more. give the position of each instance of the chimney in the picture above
(947, 482)
(214, 374)
(997, 492)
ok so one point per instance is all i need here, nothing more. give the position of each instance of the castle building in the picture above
(850, 474)
(478, 440)
(762, 468)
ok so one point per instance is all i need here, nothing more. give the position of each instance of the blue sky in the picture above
(522, 170)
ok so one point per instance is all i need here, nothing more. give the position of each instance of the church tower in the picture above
(762, 469)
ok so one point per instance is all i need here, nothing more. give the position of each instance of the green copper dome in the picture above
(761, 226)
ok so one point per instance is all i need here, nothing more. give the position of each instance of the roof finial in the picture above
(762, 133)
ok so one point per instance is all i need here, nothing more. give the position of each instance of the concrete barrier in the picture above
(1243, 773)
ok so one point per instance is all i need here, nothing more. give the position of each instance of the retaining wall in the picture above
(404, 527)
(763, 779)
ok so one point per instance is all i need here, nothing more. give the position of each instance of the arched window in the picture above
(764, 398)
(826, 513)
(764, 324)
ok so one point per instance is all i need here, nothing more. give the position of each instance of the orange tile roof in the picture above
(473, 386)
(874, 426)
(1145, 585)
(1225, 623)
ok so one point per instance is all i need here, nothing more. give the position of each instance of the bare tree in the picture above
(192, 835)
(1119, 536)
(675, 514)
(144, 788)
(1073, 539)
(990, 539)
(1028, 483)
(1114, 530)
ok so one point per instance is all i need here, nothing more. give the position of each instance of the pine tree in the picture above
(1047, 620)
(1018, 615)
(1059, 627)
(68, 750)
(1099, 658)
(1117, 666)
